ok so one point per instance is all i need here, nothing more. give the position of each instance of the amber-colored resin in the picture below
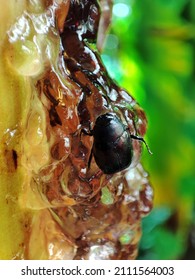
(91, 215)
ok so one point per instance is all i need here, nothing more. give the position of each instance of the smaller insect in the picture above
(112, 147)
(83, 18)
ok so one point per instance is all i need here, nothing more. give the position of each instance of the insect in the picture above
(112, 147)
(83, 18)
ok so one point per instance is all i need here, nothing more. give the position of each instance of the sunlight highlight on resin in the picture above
(121, 10)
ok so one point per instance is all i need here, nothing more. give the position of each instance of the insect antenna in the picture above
(141, 139)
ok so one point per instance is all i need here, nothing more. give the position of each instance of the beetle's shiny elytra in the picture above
(112, 147)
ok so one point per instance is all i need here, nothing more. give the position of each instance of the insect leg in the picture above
(84, 131)
(90, 158)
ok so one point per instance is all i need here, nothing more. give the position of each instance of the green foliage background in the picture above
(150, 51)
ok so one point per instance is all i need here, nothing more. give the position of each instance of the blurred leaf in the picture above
(157, 217)
(164, 245)
(168, 245)
(187, 185)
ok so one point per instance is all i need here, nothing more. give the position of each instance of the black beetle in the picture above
(112, 147)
